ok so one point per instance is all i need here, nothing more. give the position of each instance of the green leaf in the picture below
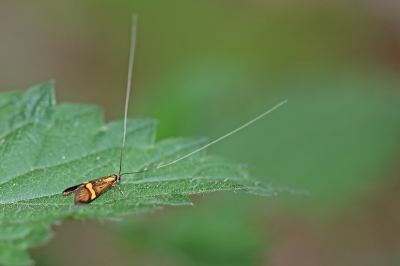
(46, 148)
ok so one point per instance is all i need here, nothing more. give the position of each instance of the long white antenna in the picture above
(215, 141)
(128, 90)
(128, 87)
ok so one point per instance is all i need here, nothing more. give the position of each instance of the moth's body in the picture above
(90, 190)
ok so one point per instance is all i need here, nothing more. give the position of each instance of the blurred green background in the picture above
(202, 68)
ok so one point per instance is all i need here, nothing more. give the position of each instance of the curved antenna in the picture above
(128, 86)
(215, 141)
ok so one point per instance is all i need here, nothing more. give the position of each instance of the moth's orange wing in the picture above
(88, 191)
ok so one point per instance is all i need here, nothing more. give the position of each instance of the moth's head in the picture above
(117, 177)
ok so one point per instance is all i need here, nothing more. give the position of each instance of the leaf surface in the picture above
(47, 148)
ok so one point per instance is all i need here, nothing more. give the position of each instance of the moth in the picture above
(88, 191)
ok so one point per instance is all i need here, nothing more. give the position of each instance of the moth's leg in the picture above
(120, 190)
